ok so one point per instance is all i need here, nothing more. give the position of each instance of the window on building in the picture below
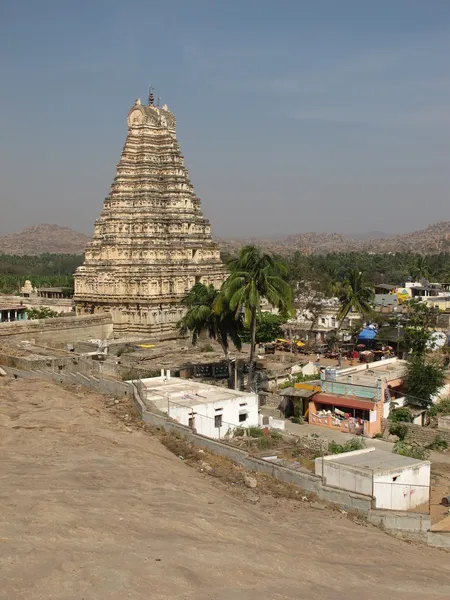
(218, 421)
(333, 321)
(243, 404)
(191, 422)
(242, 417)
(322, 321)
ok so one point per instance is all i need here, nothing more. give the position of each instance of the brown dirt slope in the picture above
(44, 238)
(94, 509)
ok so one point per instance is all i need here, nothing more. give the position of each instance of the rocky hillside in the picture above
(435, 238)
(44, 238)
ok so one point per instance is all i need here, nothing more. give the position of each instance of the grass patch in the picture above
(354, 444)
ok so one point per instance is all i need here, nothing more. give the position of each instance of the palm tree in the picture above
(421, 268)
(202, 302)
(256, 275)
(356, 294)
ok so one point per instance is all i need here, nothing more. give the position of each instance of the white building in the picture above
(395, 482)
(211, 410)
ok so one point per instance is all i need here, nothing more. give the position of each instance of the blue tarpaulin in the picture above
(368, 333)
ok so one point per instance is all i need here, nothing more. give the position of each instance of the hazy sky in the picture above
(292, 115)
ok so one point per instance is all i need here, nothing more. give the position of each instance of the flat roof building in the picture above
(211, 410)
(395, 482)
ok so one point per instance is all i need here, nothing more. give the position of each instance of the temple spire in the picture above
(151, 97)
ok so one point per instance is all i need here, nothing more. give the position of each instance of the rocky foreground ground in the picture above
(94, 507)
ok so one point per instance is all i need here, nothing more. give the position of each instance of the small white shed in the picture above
(395, 482)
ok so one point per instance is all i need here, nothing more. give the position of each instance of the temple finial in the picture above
(151, 97)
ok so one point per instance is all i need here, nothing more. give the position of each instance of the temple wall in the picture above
(60, 331)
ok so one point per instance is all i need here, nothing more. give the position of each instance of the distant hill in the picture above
(42, 239)
(435, 238)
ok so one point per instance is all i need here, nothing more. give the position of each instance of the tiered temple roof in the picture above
(151, 243)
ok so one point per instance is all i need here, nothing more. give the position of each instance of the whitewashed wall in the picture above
(204, 417)
(410, 488)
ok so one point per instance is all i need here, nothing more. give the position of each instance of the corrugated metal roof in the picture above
(344, 401)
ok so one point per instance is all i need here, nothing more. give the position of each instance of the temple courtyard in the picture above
(93, 507)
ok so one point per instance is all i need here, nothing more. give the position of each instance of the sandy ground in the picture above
(93, 509)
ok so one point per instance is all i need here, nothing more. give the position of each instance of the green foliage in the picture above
(298, 420)
(378, 436)
(255, 432)
(239, 432)
(411, 450)
(353, 444)
(300, 378)
(266, 442)
(44, 270)
(424, 377)
(421, 320)
(254, 276)
(206, 348)
(208, 311)
(443, 406)
(438, 444)
(402, 414)
(275, 435)
(401, 431)
(40, 313)
(267, 329)
(355, 294)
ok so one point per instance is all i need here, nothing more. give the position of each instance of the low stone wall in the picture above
(60, 331)
(422, 435)
(405, 525)
(439, 539)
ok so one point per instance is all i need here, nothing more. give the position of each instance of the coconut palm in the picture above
(254, 276)
(202, 316)
(356, 294)
(421, 268)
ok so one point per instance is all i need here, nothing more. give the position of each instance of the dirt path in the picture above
(94, 510)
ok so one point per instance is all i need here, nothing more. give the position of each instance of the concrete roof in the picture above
(378, 370)
(378, 461)
(186, 392)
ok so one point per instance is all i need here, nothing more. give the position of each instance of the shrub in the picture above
(411, 450)
(265, 442)
(349, 446)
(443, 406)
(255, 432)
(378, 436)
(402, 414)
(438, 444)
(206, 348)
(275, 435)
(399, 430)
(239, 432)
(299, 420)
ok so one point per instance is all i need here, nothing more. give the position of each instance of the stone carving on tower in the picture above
(151, 243)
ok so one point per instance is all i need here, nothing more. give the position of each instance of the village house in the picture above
(357, 399)
(394, 481)
(210, 410)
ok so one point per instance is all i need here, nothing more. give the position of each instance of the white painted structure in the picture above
(211, 410)
(395, 482)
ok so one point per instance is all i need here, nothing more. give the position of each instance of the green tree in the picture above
(256, 275)
(356, 295)
(40, 313)
(424, 377)
(268, 329)
(208, 311)
(421, 268)
(420, 324)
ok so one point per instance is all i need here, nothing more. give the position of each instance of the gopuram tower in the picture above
(151, 243)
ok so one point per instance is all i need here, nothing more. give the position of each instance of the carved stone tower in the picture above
(151, 243)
